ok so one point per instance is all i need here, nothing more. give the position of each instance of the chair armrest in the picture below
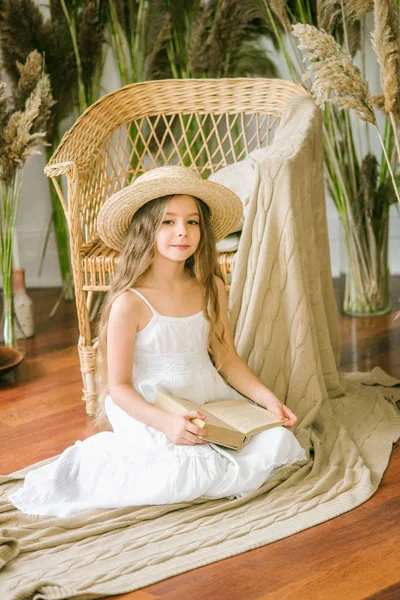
(54, 170)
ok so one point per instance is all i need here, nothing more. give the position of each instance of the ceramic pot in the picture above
(23, 306)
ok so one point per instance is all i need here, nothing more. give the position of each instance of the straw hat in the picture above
(116, 214)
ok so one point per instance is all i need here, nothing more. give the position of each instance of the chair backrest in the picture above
(202, 123)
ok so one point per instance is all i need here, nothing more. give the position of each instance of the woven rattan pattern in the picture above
(205, 124)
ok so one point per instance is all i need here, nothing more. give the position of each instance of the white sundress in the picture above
(136, 464)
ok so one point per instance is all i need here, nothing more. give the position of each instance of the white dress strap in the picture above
(153, 310)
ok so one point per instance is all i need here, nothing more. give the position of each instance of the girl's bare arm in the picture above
(239, 375)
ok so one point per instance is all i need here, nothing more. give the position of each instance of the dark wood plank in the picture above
(390, 593)
(351, 557)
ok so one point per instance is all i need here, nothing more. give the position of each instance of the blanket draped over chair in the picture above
(285, 325)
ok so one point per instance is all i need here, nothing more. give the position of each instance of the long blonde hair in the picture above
(136, 257)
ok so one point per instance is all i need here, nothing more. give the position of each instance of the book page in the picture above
(242, 415)
(181, 405)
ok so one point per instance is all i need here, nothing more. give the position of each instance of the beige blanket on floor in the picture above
(285, 322)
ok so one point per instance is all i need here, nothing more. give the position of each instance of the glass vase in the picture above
(9, 201)
(366, 282)
(8, 324)
(23, 306)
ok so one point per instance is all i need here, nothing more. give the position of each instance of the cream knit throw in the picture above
(285, 322)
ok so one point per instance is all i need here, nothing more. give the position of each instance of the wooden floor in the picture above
(354, 557)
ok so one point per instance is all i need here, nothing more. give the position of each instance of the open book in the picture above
(230, 423)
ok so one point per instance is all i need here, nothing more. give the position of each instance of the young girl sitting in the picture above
(164, 327)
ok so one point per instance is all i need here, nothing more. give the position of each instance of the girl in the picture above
(164, 327)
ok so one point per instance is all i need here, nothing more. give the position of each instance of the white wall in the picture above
(34, 210)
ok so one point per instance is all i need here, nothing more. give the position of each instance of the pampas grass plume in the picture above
(385, 41)
(279, 8)
(29, 75)
(355, 9)
(335, 77)
(24, 127)
(330, 11)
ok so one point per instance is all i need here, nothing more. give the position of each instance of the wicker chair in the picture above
(205, 124)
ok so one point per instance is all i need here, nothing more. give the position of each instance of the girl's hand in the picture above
(276, 407)
(180, 430)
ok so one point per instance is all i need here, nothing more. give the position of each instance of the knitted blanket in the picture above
(285, 325)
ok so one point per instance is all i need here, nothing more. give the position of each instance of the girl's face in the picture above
(179, 234)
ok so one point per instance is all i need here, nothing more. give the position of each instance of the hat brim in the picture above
(115, 216)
